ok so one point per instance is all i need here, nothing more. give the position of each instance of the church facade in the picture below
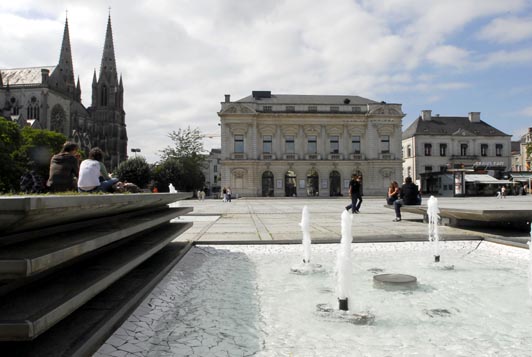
(49, 97)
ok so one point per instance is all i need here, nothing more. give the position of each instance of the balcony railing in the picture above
(238, 156)
(267, 157)
(312, 157)
(356, 157)
(336, 157)
(386, 156)
(290, 157)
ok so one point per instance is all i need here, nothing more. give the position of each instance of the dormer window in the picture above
(356, 110)
(290, 108)
(267, 108)
(312, 108)
(335, 109)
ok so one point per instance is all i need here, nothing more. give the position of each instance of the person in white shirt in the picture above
(92, 174)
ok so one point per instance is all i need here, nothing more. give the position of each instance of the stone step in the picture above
(45, 252)
(31, 310)
(86, 329)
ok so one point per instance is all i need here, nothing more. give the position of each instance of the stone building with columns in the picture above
(308, 145)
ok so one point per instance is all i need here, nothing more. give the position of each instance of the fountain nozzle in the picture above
(436, 258)
(342, 304)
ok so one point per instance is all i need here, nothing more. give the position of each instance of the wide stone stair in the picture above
(72, 268)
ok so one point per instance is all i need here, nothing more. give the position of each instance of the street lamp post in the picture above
(136, 150)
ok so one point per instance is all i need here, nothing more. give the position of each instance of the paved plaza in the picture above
(277, 219)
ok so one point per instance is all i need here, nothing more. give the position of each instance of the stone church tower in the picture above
(50, 98)
(107, 108)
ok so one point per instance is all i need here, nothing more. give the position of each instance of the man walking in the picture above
(355, 191)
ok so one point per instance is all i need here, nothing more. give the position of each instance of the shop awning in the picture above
(482, 178)
(522, 176)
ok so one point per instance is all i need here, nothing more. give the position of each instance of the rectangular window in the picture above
(312, 145)
(428, 149)
(335, 109)
(483, 149)
(409, 151)
(335, 144)
(463, 149)
(239, 143)
(356, 110)
(385, 144)
(312, 108)
(215, 169)
(290, 108)
(267, 108)
(267, 144)
(498, 150)
(443, 149)
(428, 168)
(289, 143)
(355, 144)
(443, 168)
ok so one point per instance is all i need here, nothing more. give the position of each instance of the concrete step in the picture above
(83, 332)
(45, 252)
(31, 310)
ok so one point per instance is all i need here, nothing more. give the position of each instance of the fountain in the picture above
(307, 267)
(530, 264)
(171, 188)
(196, 310)
(344, 272)
(344, 266)
(433, 216)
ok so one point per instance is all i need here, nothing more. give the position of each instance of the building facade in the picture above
(48, 97)
(436, 144)
(211, 171)
(308, 145)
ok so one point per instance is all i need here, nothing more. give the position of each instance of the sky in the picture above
(179, 58)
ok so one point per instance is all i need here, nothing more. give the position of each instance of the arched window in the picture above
(267, 184)
(335, 185)
(313, 183)
(103, 99)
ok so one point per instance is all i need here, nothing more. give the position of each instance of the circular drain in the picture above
(394, 281)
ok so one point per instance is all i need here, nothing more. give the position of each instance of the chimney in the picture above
(426, 115)
(45, 75)
(228, 98)
(474, 117)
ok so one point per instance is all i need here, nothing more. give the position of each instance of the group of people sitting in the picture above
(67, 174)
(408, 194)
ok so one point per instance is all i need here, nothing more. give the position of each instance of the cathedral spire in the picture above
(62, 78)
(108, 65)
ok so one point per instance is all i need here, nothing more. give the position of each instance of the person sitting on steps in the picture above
(409, 195)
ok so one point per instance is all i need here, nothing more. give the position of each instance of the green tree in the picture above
(38, 146)
(187, 153)
(10, 142)
(165, 173)
(135, 170)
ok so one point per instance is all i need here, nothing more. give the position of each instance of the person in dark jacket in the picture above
(409, 195)
(64, 168)
(355, 191)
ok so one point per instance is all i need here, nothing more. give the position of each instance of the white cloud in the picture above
(448, 56)
(507, 30)
(179, 58)
(526, 111)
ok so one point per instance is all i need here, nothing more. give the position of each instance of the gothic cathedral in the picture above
(49, 98)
